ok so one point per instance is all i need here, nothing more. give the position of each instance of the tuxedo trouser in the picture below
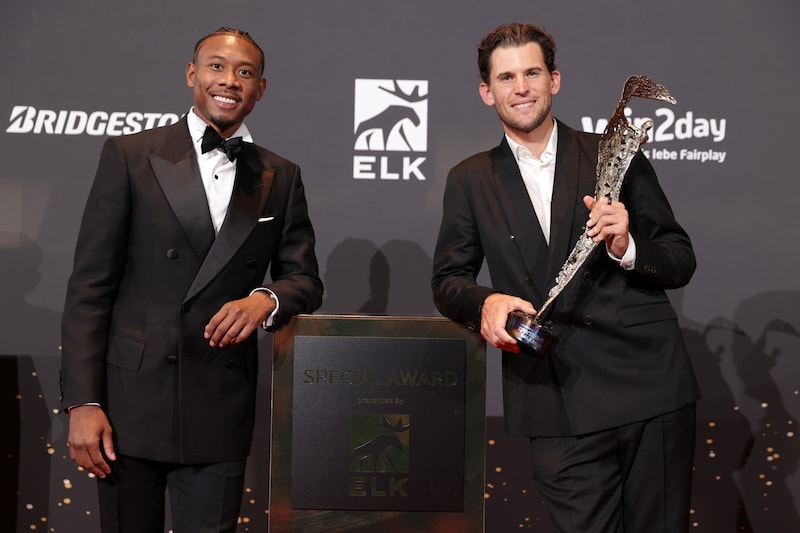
(204, 498)
(632, 479)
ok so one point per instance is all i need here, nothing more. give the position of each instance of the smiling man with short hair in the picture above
(192, 238)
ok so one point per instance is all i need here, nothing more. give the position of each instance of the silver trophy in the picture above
(619, 144)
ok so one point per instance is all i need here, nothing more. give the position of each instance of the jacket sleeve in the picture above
(294, 271)
(664, 255)
(99, 263)
(458, 258)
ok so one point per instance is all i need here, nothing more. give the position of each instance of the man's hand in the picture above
(608, 221)
(236, 320)
(494, 314)
(88, 428)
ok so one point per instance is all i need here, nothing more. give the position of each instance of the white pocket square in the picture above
(266, 219)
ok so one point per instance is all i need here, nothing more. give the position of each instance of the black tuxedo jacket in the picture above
(149, 274)
(619, 356)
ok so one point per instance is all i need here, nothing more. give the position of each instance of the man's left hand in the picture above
(608, 221)
(236, 320)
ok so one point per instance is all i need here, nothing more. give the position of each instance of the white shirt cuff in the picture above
(628, 259)
(71, 407)
(271, 318)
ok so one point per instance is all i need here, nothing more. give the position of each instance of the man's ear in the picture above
(486, 94)
(555, 82)
(190, 70)
(262, 86)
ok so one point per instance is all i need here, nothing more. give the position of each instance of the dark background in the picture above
(731, 61)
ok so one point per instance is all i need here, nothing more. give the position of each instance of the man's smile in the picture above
(225, 99)
(524, 105)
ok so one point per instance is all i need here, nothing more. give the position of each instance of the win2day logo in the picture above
(390, 128)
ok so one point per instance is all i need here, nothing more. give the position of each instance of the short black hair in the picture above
(225, 30)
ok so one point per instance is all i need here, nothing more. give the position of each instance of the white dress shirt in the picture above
(219, 174)
(538, 174)
(217, 171)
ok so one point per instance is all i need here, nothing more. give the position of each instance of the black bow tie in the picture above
(213, 140)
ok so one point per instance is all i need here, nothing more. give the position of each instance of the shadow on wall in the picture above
(394, 279)
(746, 449)
(24, 328)
(769, 368)
(29, 360)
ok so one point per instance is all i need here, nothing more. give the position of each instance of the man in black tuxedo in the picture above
(192, 238)
(609, 409)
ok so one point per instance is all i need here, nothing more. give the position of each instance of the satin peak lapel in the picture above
(250, 193)
(520, 214)
(569, 215)
(180, 181)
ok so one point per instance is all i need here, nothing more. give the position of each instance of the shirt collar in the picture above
(521, 152)
(197, 127)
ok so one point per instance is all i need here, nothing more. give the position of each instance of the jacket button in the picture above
(528, 280)
(252, 263)
(172, 254)
(230, 364)
(588, 319)
(185, 308)
(587, 276)
(172, 359)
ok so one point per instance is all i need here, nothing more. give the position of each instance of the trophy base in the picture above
(536, 337)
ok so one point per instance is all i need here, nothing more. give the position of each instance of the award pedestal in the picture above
(377, 425)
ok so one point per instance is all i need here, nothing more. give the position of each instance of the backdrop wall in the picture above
(78, 71)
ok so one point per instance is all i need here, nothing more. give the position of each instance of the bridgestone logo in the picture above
(28, 119)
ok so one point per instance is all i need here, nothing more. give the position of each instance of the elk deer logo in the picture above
(391, 115)
(379, 443)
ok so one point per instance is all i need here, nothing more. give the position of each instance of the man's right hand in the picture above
(494, 314)
(88, 429)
